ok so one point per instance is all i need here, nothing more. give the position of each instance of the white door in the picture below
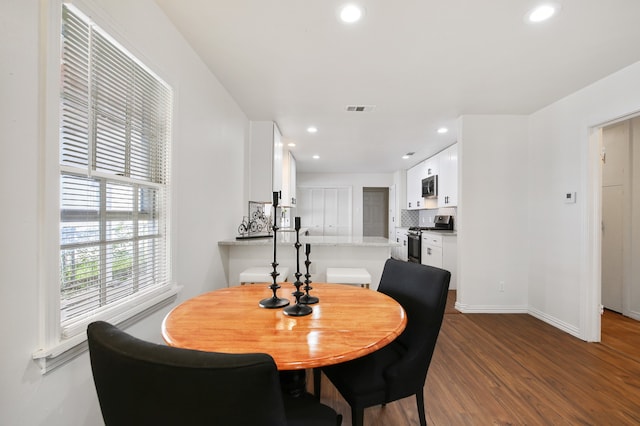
(344, 211)
(330, 211)
(615, 172)
(612, 197)
(317, 212)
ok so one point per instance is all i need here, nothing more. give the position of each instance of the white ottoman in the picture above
(260, 274)
(349, 276)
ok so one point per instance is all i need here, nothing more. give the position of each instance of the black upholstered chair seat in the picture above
(370, 387)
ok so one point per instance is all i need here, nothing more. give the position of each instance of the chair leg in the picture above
(357, 416)
(317, 376)
(421, 413)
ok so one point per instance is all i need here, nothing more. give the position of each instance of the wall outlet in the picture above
(501, 286)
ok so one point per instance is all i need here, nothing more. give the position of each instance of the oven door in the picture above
(414, 247)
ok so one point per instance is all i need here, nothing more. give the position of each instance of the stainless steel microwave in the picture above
(430, 187)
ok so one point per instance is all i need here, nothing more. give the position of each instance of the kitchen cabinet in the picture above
(431, 249)
(440, 250)
(430, 167)
(445, 166)
(401, 252)
(448, 177)
(265, 161)
(288, 195)
(414, 187)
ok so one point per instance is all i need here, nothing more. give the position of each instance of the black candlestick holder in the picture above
(299, 309)
(274, 302)
(307, 299)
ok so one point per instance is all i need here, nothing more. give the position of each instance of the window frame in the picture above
(55, 349)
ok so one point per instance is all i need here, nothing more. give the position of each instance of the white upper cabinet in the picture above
(430, 167)
(448, 177)
(445, 166)
(288, 196)
(272, 167)
(265, 161)
(414, 187)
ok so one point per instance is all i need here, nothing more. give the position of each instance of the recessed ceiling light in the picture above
(312, 129)
(291, 144)
(315, 157)
(542, 12)
(350, 13)
(404, 157)
(443, 130)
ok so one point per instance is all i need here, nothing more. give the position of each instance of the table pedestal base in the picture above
(294, 382)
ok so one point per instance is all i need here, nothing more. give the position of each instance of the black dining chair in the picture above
(399, 369)
(142, 383)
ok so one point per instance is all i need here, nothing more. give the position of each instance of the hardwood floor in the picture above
(513, 369)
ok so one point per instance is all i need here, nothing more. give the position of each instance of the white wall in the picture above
(208, 167)
(492, 213)
(356, 181)
(561, 286)
(517, 170)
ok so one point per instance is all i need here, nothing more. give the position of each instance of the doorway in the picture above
(613, 222)
(375, 212)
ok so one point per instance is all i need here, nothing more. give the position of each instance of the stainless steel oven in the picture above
(414, 245)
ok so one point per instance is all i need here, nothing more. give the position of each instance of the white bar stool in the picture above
(349, 276)
(262, 274)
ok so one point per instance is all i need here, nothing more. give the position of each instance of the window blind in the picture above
(114, 161)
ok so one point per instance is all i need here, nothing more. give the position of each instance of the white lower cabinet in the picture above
(440, 251)
(400, 252)
(431, 250)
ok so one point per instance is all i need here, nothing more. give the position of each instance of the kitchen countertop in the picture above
(290, 238)
(445, 232)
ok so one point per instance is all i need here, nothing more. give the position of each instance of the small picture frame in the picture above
(257, 224)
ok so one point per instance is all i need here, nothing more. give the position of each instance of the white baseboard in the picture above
(491, 309)
(566, 327)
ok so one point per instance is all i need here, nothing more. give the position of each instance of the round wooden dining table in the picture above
(348, 322)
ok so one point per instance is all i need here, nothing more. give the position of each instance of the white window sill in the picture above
(67, 349)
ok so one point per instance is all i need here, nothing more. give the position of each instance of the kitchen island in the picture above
(341, 252)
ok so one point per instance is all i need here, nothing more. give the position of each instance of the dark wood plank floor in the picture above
(512, 369)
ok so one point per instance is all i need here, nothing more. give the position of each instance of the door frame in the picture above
(591, 297)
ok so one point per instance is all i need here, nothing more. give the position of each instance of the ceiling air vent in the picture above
(360, 108)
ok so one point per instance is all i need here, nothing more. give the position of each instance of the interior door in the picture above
(615, 174)
(612, 253)
(330, 211)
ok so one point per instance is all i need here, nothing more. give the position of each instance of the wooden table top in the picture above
(347, 323)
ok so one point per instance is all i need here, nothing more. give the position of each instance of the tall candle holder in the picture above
(306, 299)
(274, 301)
(299, 309)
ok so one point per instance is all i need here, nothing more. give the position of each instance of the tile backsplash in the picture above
(409, 218)
(425, 217)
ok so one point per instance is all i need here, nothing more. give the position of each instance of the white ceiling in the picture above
(422, 63)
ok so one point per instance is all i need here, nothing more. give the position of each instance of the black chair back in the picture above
(141, 383)
(422, 291)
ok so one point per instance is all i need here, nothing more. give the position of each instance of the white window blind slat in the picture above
(115, 128)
